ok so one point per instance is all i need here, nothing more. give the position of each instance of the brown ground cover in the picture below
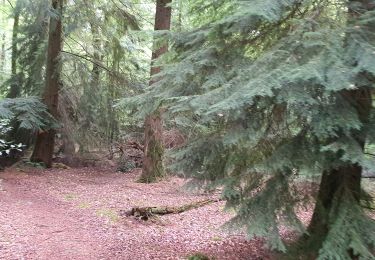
(74, 214)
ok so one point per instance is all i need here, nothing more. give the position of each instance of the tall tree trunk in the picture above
(2, 53)
(343, 183)
(153, 168)
(15, 89)
(43, 150)
(91, 92)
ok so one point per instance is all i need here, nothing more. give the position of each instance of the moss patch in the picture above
(109, 214)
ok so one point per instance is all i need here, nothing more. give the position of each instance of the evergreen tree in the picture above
(31, 42)
(95, 70)
(270, 90)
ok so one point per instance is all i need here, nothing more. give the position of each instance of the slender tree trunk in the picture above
(112, 127)
(180, 13)
(90, 98)
(15, 89)
(344, 182)
(2, 52)
(43, 150)
(92, 90)
(153, 168)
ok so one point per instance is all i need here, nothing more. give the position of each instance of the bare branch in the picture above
(88, 59)
(10, 4)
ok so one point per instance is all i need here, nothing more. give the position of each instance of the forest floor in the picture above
(75, 214)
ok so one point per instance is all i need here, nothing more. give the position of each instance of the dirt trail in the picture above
(36, 226)
(73, 214)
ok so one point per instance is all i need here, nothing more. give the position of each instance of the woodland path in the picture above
(74, 214)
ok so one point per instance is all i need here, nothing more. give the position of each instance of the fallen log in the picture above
(145, 213)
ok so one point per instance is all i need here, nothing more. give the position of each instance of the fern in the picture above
(30, 113)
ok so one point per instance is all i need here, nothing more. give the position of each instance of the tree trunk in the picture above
(43, 150)
(2, 51)
(153, 168)
(343, 183)
(92, 90)
(2, 54)
(162, 22)
(90, 99)
(333, 185)
(15, 88)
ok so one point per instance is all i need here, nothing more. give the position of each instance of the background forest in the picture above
(253, 98)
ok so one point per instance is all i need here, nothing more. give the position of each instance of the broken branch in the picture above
(145, 213)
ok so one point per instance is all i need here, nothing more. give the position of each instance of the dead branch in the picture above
(135, 145)
(145, 213)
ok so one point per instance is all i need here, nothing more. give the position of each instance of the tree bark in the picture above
(163, 17)
(43, 150)
(332, 183)
(153, 168)
(2, 53)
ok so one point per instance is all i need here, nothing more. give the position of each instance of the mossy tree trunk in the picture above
(2, 54)
(43, 150)
(153, 168)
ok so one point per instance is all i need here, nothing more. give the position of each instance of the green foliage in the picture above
(125, 165)
(104, 62)
(260, 90)
(359, 232)
(105, 57)
(21, 114)
(38, 165)
(18, 116)
(6, 147)
(32, 46)
(30, 113)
